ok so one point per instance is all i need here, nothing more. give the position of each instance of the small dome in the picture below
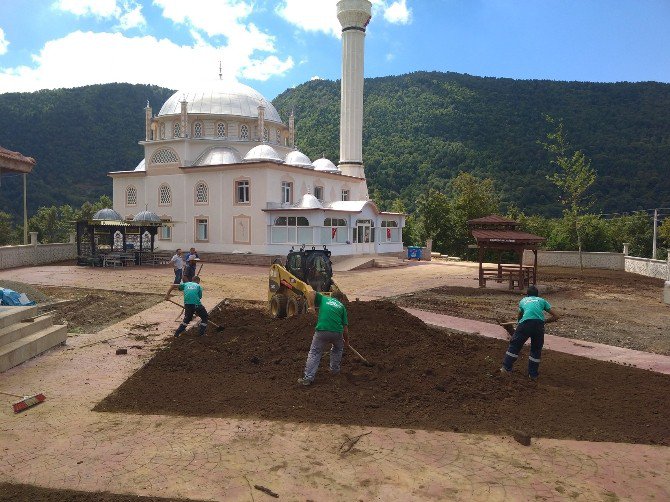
(107, 214)
(297, 158)
(324, 164)
(308, 201)
(262, 152)
(147, 217)
(218, 155)
(141, 166)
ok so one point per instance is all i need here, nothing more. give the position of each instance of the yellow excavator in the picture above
(290, 283)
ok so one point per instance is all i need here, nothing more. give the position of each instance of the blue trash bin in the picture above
(414, 252)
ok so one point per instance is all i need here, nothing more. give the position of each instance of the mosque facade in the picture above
(222, 171)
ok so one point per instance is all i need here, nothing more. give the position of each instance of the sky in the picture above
(275, 45)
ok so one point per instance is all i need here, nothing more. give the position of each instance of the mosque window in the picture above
(244, 132)
(221, 130)
(164, 156)
(201, 230)
(286, 192)
(131, 196)
(266, 135)
(278, 136)
(390, 231)
(197, 130)
(164, 195)
(201, 193)
(162, 131)
(292, 230)
(176, 131)
(242, 192)
(345, 194)
(165, 233)
(334, 231)
(318, 193)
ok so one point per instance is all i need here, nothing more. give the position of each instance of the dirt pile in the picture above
(423, 378)
(29, 493)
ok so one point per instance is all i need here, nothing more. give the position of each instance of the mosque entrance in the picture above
(364, 237)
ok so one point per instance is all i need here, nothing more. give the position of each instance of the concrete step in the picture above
(21, 350)
(13, 332)
(389, 261)
(354, 263)
(11, 315)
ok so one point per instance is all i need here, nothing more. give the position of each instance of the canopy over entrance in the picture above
(502, 234)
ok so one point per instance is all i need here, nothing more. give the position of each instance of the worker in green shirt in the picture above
(331, 329)
(192, 296)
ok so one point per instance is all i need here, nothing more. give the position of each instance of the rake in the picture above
(26, 401)
(218, 327)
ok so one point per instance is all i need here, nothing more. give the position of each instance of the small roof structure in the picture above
(15, 162)
(502, 234)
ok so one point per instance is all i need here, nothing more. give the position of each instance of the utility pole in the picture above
(653, 244)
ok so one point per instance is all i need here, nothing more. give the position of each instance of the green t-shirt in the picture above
(192, 292)
(533, 307)
(332, 314)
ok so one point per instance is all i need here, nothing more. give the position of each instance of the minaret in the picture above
(291, 130)
(354, 16)
(147, 121)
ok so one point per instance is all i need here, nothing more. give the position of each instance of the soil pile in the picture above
(29, 493)
(423, 378)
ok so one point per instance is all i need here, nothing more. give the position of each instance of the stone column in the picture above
(261, 124)
(184, 119)
(73, 237)
(33, 238)
(354, 16)
(626, 247)
(147, 122)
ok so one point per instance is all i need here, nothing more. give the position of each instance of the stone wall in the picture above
(36, 254)
(647, 267)
(611, 261)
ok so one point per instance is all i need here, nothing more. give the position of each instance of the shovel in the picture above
(217, 326)
(365, 361)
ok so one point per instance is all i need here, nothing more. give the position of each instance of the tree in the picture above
(664, 232)
(433, 210)
(574, 177)
(7, 229)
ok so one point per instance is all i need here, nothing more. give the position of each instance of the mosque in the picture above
(221, 170)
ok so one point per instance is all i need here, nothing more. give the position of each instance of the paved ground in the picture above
(62, 444)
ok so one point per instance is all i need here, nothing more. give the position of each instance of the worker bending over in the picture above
(192, 305)
(331, 329)
(531, 325)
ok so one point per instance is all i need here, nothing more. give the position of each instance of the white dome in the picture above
(308, 201)
(218, 155)
(107, 214)
(323, 164)
(296, 158)
(147, 217)
(221, 98)
(261, 153)
(141, 166)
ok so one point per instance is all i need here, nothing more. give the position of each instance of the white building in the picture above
(221, 169)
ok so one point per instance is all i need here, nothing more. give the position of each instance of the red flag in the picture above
(333, 232)
(388, 233)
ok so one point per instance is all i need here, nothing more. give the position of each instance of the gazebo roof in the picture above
(15, 162)
(493, 220)
(506, 238)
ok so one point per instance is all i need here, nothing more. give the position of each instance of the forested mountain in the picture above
(420, 130)
(77, 136)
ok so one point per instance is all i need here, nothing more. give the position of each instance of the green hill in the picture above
(421, 129)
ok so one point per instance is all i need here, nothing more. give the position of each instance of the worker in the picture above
(331, 329)
(531, 325)
(189, 268)
(178, 263)
(193, 252)
(192, 305)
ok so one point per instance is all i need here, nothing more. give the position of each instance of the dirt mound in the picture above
(29, 493)
(423, 378)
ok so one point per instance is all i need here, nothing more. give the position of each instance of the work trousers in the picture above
(320, 342)
(177, 275)
(189, 310)
(533, 329)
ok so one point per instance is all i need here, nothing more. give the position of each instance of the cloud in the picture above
(4, 43)
(127, 12)
(84, 58)
(319, 15)
(316, 77)
(398, 13)
(390, 56)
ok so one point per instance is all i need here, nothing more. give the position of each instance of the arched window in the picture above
(176, 131)
(278, 136)
(131, 196)
(164, 156)
(164, 195)
(244, 132)
(266, 135)
(201, 193)
(221, 130)
(197, 130)
(162, 130)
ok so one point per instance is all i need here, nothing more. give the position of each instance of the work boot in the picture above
(505, 372)
(532, 378)
(304, 381)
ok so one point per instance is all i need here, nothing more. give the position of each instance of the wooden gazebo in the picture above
(502, 234)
